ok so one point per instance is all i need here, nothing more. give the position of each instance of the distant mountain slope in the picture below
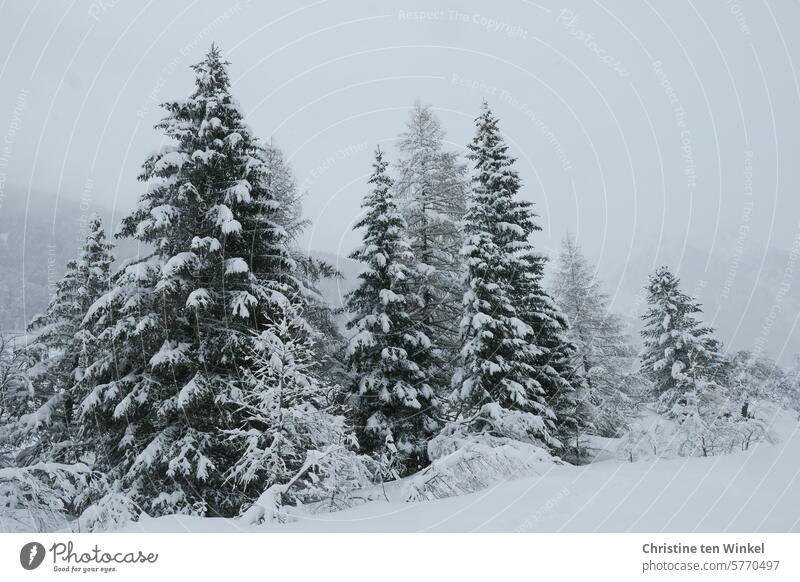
(747, 294)
(37, 238)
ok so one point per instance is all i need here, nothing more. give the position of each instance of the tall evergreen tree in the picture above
(395, 405)
(505, 366)
(48, 475)
(603, 355)
(683, 360)
(59, 350)
(431, 188)
(172, 330)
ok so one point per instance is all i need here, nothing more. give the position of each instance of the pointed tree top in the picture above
(95, 221)
(212, 72)
(379, 157)
(662, 274)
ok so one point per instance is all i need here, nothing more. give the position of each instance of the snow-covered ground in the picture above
(752, 491)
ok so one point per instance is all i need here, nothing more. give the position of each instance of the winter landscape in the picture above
(428, 349)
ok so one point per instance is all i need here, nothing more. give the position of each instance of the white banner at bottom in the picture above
(389, 557)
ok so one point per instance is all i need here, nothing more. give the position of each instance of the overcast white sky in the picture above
(634, 122)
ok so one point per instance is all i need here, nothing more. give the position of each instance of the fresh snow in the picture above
(168, 161)
(235, 266)
(753, 491)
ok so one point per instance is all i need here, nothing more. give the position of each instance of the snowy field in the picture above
(753, 491)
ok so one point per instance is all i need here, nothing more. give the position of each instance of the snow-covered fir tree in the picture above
(48, 472)
(431, 187)
(388, 353)
(168, 372)
(684, 363)
(506, 374)
(59, 349)
(603, 355)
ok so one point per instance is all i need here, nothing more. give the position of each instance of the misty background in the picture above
(655, 132)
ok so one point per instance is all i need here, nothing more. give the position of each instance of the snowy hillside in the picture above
(750, 491)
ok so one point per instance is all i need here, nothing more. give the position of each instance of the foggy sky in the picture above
(638, 126)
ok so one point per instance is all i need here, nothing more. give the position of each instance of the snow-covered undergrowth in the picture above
(651, 436)
(465, 465)
(753, 490)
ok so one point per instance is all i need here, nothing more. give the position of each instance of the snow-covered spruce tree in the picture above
(172, 331)
(431, 189)
(59, 350)
(47, 477)
(505, 375)
(684, 363)
(388, 353)
(603, 355)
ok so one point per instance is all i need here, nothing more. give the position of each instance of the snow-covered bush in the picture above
(112, 510)
(647, 441)
(324, 483)
(462, 462)
(293, 447)
(42, 495)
